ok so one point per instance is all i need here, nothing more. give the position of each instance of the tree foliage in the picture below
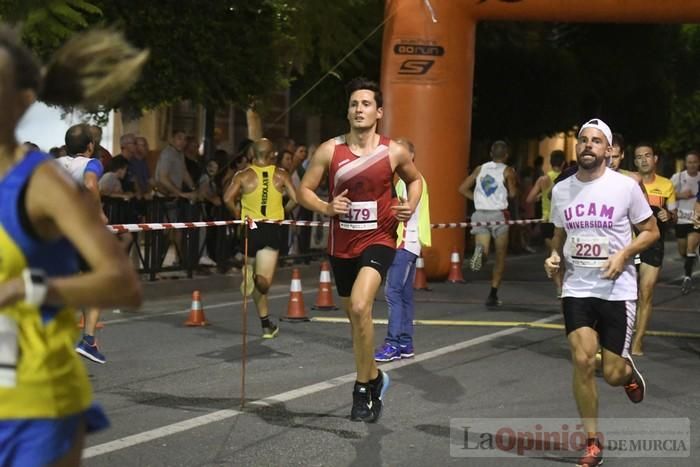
(209, 52)
(684, 126)
(46, 24)
(534, 79)
(332, 42)
(531, 79)
(521, 79)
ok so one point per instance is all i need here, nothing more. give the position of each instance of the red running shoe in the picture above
(636, 388)
(593, 455)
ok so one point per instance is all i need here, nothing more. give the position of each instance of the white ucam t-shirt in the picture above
(598, 218)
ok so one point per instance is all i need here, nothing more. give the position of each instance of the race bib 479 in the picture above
(361, 216)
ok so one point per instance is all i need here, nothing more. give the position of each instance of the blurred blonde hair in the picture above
(93, 68)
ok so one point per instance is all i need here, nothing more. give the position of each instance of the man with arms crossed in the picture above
(364, 214)
(593, 213)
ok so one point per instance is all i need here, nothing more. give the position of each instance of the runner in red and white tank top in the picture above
(364, 215)
(370, 219)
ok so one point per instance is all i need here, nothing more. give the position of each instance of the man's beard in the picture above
(587, 163)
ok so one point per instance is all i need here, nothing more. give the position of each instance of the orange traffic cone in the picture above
(196, 317)
(455, 275)
(324, 299)
(295, 306)
(421, 281)
(81, 324)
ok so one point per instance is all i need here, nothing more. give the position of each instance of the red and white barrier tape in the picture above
(120, 228)
(455, 225)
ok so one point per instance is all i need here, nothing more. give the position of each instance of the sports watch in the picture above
(35, 286)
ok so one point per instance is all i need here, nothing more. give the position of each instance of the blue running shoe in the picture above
(378, 391)
(406, 351)
(90, 351)
(387, 353)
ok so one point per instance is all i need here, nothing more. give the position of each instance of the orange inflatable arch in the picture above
(427, 80)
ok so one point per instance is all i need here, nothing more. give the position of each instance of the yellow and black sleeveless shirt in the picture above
(265, 202)
(47, 378)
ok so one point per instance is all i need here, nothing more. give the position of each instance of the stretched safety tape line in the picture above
(121, 228)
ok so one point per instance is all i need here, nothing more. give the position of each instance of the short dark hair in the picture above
(237, 160)
(281, 154)
(365, 84)
(499, 150)
(646, 144)
(619, 141)
(78, 137)
(117, 162)
(693, 152)
(557, 158)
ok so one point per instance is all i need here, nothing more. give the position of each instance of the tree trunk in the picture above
(209, 124)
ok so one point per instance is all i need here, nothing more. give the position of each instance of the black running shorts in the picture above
(612, 320)
(345, 270)
(547, 230)
(264, 236)
(654, 255)
(682, 230)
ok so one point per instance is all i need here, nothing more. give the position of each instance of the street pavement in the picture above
(174, 393)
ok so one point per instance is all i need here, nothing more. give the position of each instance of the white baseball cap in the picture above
(599, 125)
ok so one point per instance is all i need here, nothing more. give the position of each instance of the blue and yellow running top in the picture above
(49, 380)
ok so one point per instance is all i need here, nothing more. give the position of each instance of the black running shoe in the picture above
(687, 285)
(361, 404)
(271, 331)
